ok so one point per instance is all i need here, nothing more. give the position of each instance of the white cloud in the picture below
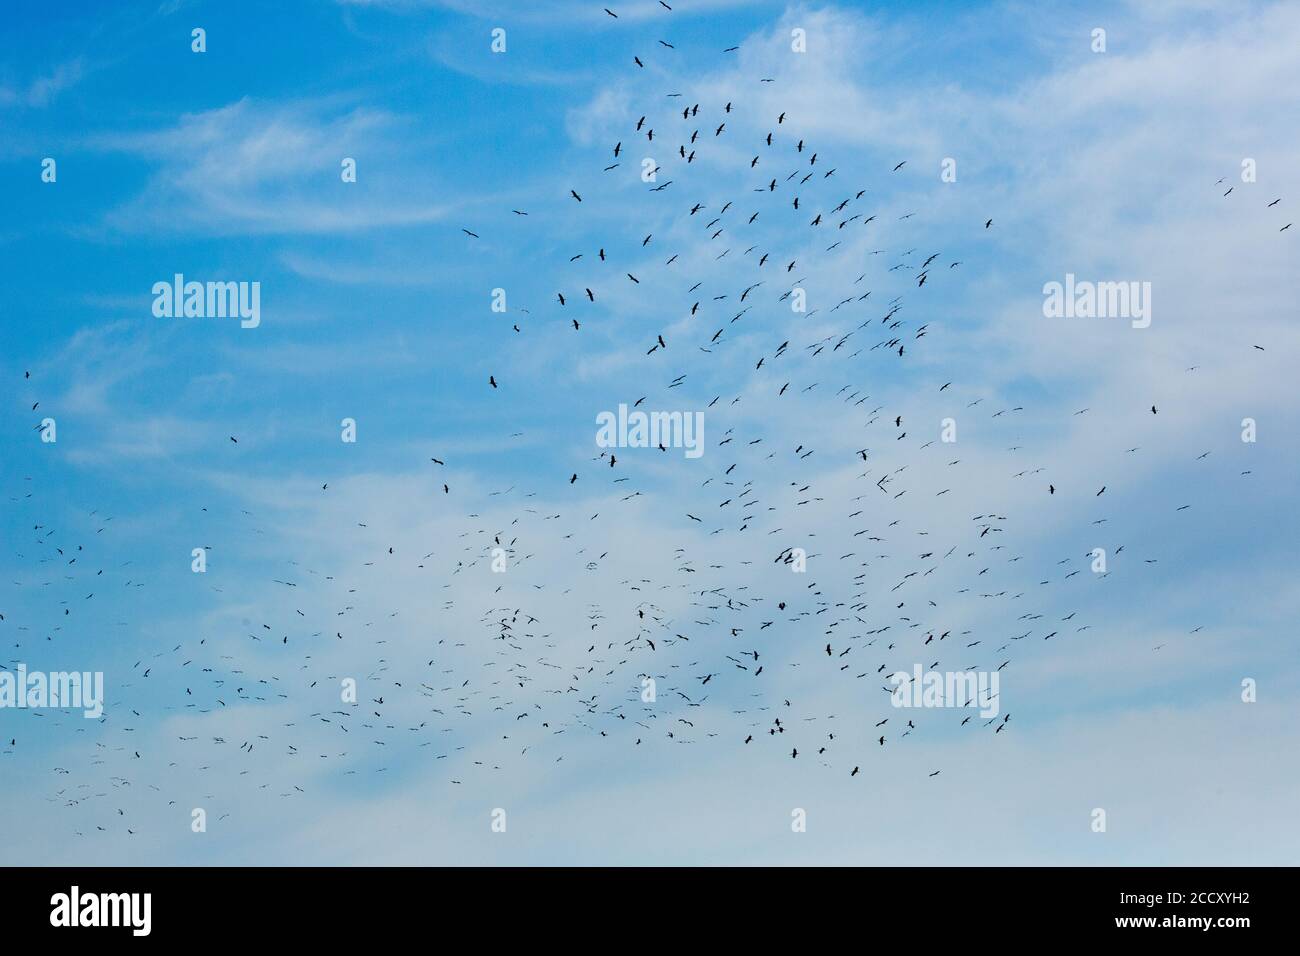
(251, 167)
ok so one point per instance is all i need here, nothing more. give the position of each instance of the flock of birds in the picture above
(742, 651)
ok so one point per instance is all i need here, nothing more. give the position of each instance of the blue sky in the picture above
(375, 306)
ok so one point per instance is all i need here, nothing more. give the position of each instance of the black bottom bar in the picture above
(214, 906)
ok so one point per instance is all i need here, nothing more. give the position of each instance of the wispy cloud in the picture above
(42, 91)
(273, 168)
